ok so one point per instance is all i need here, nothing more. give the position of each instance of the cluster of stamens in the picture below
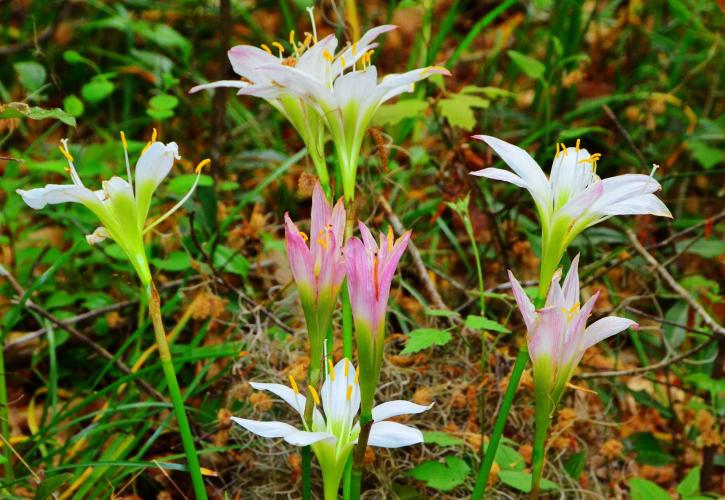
(571, 311)
(561, 149)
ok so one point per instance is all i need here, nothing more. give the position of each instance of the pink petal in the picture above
(526, 308)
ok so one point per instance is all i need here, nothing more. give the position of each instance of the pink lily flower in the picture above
(370, 270)
(318, 268)
(558, 334)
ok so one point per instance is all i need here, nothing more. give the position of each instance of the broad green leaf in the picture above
(442, 477)
(649, 450)
(529, 65)
(705, 382)
(175, 261)
(73, 106)
(97, 89)
(159, 114)
(521, 481)
(480, 323)
(642, 489)
(441, 438)
(392, 114)
(30, 74)
(708, 249)
(22, 110)
(423, 338)
(690, 484)
(164, 101)
(706, 155)
(509, 459)
(229, 260)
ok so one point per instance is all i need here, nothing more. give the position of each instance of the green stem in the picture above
(347, 320)
(358, 462)
(543, 411)
(498, 427)
(306, 473)
(4, 422)
(176, 398)
(313, 376)
(477, 256)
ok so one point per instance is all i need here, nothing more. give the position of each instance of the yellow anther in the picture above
(292, 38)
(153, 135)
(66, 153)
(322, 240)
(349, 393)
(202, 164)
(390, 239)
(342, 62)
(326, 54)
(578, 141)
(558, 150)
(331, 369)
(293, 383)
(563, 148)
(357, 377)
(67, 170)
(304, 236)
(123, 140)
(315, 396)
(266, 48)
(279, 47)
(308, 38)
(353, 49)
(375, 276)
(347, 367)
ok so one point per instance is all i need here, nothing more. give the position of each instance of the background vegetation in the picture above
(640, 82)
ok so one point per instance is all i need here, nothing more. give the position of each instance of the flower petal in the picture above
(286, 394)
(642, 204)
(604, 328)
(52, 194)
(152, 167)
(569, 176)
(583, 200)
(500, 174)
(304, 438)
(266, 429)
(524, 165)
(246, 61)
(220, 83)
(298, 254)
(570, 289)
(391, 409)
(526, 307)
(393, 435)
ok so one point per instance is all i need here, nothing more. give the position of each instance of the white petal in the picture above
(582, 201)
(266, 429)
(286, 394)
(524, 165)
(152, 167)
(569, 177)
(51, 194)
(642, 204)
(391, 409)
(500, 174)
(296, 82)
(397, 83)
(246, 59)
(304, 438)
(623, 188)
(393, 435)
(571, 283)
(221, 83)
(604, 328)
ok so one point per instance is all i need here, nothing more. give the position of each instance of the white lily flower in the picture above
(574, 197)
(121, 206)
(334, 430)
(311, 57)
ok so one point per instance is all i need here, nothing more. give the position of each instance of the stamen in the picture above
(353, 49)
(322, 239)
(390, 239)
(308, 37)
(348, 396)
(375, 276)
(304, 236)
(357, 377)
(347, 367)
(125, 157)
(66, 153)
(153, 135)
(342, 62)
(293, 383)
(279, 47)
(328, 57)
(563, 148)
(315, 396)
(292, 38)
(266, 48)
(148, 144)
(123, 140)
(577, 145)
(654, 169)
(311, 12)
(558, 150)
(201, 165)
(331, 369)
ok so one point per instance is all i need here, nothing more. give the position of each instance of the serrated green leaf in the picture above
(441, 438)
(423, 338)
(442, 477)
(458, 109)
(22, 110)
(480, 323)
(642, 489)
(392, 114)
(529, 65)
(521, 481)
